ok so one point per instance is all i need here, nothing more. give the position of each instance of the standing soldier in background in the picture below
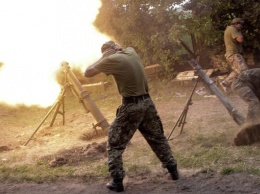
(137, 111)
(233, 39)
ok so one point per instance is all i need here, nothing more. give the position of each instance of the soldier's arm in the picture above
(91, 71)
(240, 38)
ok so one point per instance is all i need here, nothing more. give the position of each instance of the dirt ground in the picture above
(64, 142)
(189, 183)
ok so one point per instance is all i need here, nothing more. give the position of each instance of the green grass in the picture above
(137, 169)
(33, 173)
(202, 146)
(225, 160)
(228, 170)
(101, 170)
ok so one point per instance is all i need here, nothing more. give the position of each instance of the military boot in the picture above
(116, 185)
(173, 172)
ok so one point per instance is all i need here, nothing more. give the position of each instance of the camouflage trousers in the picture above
(130, 117)
(251, 97)
(238, 65)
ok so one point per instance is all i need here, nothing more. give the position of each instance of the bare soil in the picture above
(70, 145)
(189, 183)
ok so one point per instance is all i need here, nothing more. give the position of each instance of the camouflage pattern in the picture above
(247, 86)
(249, 134)
(130, 117)
(238, 65)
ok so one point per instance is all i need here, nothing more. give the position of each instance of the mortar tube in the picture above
(237, 117)
(85, 97)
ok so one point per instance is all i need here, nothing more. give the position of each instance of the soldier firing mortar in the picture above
(247, 86)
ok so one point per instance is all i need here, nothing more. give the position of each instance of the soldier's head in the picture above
(237, 22)
(110, 45)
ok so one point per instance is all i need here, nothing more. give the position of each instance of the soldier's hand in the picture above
(108, 52)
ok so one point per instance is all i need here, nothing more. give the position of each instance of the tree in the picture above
(153, 26)
(147, 26)
(210, 18)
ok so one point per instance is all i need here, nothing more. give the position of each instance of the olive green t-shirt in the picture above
(232, 46)
(127, 70)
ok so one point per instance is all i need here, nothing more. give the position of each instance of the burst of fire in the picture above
(36, 36)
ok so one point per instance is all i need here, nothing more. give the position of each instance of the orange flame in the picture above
(36, 37)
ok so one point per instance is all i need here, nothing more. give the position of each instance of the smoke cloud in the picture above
(36, 36)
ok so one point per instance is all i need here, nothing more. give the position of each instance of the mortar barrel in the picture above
(237, 117)
(85, 97)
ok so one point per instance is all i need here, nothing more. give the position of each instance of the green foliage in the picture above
(153, 26)
(210, 18)
(146, 26)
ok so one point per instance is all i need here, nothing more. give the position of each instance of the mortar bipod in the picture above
(57, 104)
(73, 83)
(182, 118)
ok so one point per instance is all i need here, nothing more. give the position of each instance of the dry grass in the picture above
(206, 142)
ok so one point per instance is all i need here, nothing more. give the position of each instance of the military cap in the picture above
(237, 20)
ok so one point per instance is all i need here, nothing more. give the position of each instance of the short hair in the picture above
(108, 45)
